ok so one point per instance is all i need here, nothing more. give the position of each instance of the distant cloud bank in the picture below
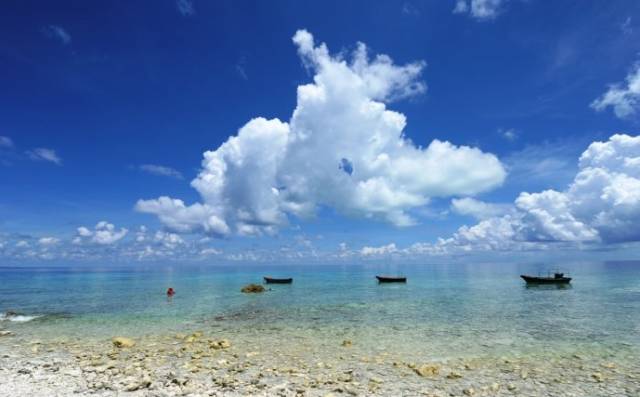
(599, 208)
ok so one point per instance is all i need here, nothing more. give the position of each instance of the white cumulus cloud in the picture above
(382, 250)
(104, 233)
(48, 241)
(600, 205)
(342, 148)
(169, 240)
(479, 9)
(623, 98)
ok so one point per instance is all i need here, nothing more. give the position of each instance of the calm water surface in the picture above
(447, 310)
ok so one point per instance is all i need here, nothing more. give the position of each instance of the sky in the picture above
(331, 132)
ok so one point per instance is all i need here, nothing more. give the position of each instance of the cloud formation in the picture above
(479, 9)
(47, 241)
(58, 33)
(479, 209)
(342, 148)
(382, 250)
(185, 8)
(624, 98)
(105, 242)
(509, 134)
(44, 154)
(6, 142)
(161, 170)
(600, 205)
(104, 233)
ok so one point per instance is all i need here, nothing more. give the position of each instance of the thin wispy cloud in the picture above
(241, 68)
(547, 163)
(510, 134)
(44, 154)
(479, 209)
(57, 33)
(185, 8)
(161, 170)
(6, 142)
(626, 26)
(410, 9)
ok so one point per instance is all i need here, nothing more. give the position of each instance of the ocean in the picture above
(444, 313)
(451, 309)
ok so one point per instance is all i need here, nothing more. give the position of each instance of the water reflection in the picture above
(548, 286)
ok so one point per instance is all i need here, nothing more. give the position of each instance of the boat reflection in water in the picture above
(548, 286)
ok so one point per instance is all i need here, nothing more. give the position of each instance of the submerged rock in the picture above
(597, 376)
(121, 342)
(252, 288)
(469, 391)
(220, 344)
(347, 343)
(427, 370)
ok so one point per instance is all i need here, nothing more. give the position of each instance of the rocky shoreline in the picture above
(197, 364)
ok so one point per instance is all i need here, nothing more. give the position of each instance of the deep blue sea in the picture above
(449, 310)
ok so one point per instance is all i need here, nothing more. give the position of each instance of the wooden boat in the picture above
(391, 279)
(557, 278)
(273, 280)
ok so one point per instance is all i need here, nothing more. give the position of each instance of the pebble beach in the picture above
(204, 364)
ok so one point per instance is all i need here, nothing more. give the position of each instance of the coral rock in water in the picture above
(252, 288)
(121, 341)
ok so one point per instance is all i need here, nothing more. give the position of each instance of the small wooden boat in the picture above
(557, 278)
(273, 280)
(391, 279)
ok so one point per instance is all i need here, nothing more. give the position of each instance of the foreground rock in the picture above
(252, 288)
(221, 344)
(204, 363)
(428, 370)
(122, 342)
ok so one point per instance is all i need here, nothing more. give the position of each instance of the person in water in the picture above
(170, 292)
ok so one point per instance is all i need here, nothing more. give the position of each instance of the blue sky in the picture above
(104, 105)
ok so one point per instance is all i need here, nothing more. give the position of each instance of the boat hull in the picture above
(384, 279)
(271, 280)
(546, 280)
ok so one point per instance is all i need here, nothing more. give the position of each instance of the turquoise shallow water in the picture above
(447, 310)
